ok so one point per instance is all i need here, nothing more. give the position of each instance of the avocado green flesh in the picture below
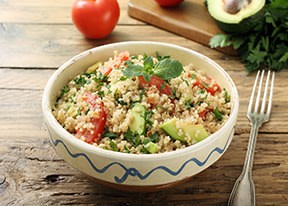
(245, 26)
(170, 128)
(196, 132)
(240, 22)
(138, 123)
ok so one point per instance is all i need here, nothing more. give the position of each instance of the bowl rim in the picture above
(51, 121)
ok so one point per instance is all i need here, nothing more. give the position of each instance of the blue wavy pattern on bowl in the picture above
(133, 171)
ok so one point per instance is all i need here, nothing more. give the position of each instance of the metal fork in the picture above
(243, 193)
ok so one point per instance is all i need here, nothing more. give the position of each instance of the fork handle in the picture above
(243, 193)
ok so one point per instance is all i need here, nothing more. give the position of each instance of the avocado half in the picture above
(236, 16)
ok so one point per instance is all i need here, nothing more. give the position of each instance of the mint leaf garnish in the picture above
(148, 63)
(133, 70)
(168, 69)
(165, 68)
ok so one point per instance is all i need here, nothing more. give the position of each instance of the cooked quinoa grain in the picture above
(142, 104)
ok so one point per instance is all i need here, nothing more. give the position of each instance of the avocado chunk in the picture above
(236, 16)
(138, 124)
(170, 128)
(195, 132)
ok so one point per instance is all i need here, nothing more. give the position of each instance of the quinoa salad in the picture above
(142, 104)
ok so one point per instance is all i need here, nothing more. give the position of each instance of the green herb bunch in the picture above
(266, 46)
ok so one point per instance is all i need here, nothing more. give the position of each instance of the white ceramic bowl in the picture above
(138, 172)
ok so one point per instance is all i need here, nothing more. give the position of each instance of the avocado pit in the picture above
(235, 6)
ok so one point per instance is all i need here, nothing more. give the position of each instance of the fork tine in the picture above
(253, 93)
(271, 95)
(259, 92)
(265, 94)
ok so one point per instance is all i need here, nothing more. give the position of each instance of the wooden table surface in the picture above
(36, 37)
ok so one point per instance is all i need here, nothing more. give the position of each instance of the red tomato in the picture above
(99, 123)
(158, 82)
(168, 3)
(95, 18)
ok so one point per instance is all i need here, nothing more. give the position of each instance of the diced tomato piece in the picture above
(160, 84)
(93, 135)
(203, 113)
(199, 84)
(107, 71)
(123, 56)
(212, 89)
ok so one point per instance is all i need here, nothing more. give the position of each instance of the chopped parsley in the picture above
(81, 80)
(110, 135)
(119, 99)
(65, 90)
(226, 95)
(113, 146)
(134, 138)
(148, 121)
(218, 114)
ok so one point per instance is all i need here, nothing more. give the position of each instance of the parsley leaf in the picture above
(220, 40)
(134, 138)
(218, 114)
(65, 90)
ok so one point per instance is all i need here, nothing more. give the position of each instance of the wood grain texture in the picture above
(49, 46)
(189, 19)
(33, 43)
(49, 12)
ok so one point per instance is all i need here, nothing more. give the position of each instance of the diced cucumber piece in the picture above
(151, 147)
(138, 124)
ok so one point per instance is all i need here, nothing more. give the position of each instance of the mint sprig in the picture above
(165, 68)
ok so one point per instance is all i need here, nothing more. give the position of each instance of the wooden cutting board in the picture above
(190, 19)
